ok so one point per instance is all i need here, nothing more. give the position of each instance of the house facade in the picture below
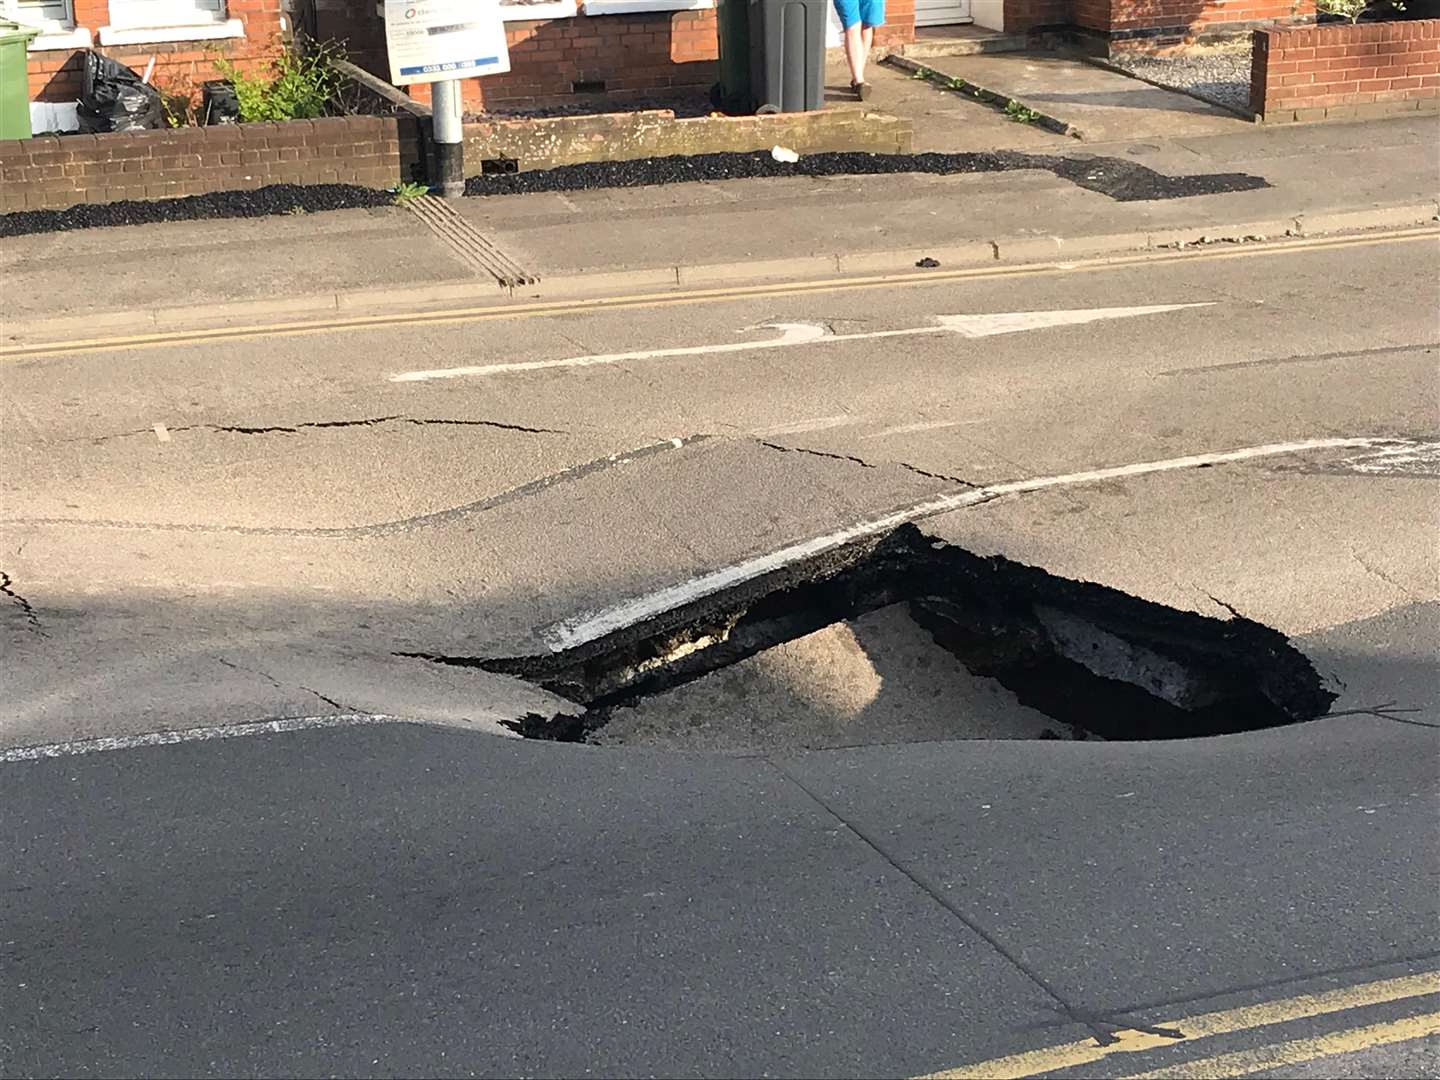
(560, 50)
(182, 37)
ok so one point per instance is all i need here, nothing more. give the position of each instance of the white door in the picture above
(941, 12)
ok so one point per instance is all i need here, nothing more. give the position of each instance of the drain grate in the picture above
(1095, 660)
(468, 242)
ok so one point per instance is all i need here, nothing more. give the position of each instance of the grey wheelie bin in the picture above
(787, 54)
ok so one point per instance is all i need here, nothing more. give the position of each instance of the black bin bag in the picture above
(114, 99)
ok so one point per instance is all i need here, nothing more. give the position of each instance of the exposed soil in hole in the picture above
(1095, 661)
(878, 678)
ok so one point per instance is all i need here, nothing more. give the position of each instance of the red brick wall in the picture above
(1023, 15)
(180, 67)
(655, 52)
(1344, 71)
(899, 25)
(1140, 25)
(635, 55)
(56, 171)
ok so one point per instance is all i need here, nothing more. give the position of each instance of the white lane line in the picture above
(820, 423)
(805, 333)
(187, 735)
(923, 425)
(590, 626)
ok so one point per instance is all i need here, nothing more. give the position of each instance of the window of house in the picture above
(51, 16)
(54, 18)
(137, 14)
(137, 22)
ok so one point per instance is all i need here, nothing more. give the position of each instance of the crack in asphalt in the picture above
(32, 618)
(1389, 710)
(315, 425)
(350, 532)
(814, 453)
(865, 464)
(1101, 1030)
(1377, 572)
(277, 684)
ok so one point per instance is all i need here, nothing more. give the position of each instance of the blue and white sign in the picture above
(434, 40)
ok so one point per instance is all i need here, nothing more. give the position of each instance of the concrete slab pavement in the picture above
(1097, 105)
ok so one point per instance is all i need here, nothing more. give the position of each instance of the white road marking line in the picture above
(162, 432)
(186, 735)
(818, 424)
(924, 425)
(590, 626)
(1420, 459)
(804, 333)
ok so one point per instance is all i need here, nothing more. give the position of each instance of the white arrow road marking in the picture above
(804, 333)
(592, 625)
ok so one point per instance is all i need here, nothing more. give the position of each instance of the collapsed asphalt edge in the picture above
(1098, 660)
(1123, 181)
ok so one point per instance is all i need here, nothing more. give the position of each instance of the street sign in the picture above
(437, 40)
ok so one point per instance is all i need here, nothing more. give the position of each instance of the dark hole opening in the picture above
(1101, 661)
(495, 166)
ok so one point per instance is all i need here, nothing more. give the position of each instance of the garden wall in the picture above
(1151, 25)
(568, 140)
(54, 172)
(1345, 71)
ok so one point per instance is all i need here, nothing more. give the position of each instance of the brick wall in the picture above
(899, 25)
(180, 67)
(655, 52)
(1146, 25)
(1345, 71)
(634, 55)
(1023, 15)
(59, 171)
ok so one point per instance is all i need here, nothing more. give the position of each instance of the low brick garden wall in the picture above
(570, 140)
(55, 171)
(1345, 71)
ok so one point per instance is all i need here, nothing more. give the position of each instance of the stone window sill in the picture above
(552, 9)
(151, 35)
(79, 38)
(636, 7)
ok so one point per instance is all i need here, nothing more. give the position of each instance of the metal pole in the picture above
(449, 138)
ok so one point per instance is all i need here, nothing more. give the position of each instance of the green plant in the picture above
(1353, 9)
(1021, 114)
(296, 86)
(408, 192)
(958, 84)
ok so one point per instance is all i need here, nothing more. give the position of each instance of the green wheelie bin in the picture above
(14, 87)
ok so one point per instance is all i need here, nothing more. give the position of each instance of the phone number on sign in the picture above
(457, 65)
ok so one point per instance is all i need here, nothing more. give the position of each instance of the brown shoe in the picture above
(862, 90)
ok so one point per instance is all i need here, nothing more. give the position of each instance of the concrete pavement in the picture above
(358, 263)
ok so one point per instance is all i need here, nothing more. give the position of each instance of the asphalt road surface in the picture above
(205, 535)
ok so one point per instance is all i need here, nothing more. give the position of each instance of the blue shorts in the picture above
(865, 12)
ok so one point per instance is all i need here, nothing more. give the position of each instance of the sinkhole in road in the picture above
(905, 638)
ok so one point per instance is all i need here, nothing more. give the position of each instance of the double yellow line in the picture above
(489, 312)
(1207, 1025)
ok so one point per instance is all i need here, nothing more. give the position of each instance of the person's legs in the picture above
(856, 53)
